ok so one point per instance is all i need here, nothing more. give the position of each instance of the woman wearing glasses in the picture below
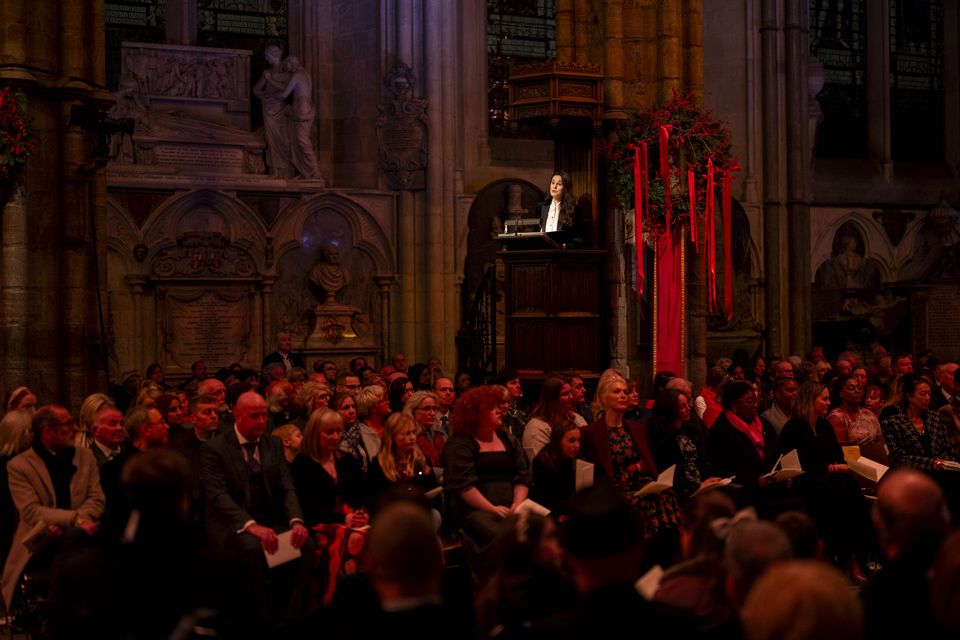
(422, 407)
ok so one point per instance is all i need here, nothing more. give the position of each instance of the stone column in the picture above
(136, 284)
(266, 344)
(696, 277)
(563, 15)
(406, 254)
(582, 28)
(693, 49)
(670, 48)
(383, 285)
(613, 59)
(879, 135)
(442, 90)
(54, 54)
(14, 289)
(772, 173)
(797, 50)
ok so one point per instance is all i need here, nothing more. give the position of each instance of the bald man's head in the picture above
(910, 512)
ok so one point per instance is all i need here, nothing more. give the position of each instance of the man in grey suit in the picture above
(250, 498)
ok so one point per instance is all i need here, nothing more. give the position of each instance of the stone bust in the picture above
(328, 274)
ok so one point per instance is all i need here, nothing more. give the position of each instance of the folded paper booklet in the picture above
(285, 551)
(950, 465)
(584, 474)
(869, 469)
(533, 507)
(663, 482)
(649, 582)
(851, 452)
(788, 466)
(726, 482)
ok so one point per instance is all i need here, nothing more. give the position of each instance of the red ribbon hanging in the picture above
(638, 198)
(727, 254)
(692, 189)
(645, 175)
(665, 173)
(710, 238)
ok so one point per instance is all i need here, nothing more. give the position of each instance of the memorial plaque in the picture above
(222, 158)
(942, 318)
(210, 325)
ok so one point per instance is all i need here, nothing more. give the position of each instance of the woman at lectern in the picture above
(557, 211)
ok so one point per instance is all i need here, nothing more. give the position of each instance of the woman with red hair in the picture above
(486, 472)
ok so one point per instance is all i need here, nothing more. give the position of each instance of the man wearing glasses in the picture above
(348, 382)
(54, 485)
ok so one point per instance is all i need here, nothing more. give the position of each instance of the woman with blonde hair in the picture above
(400, 460)
(834, 497)
(22, 399)
(422, 407)
(148, 396)
(16, 436)
(310, 397)
(620, 450)
(330, 487)
(610, 374)
(92, 405)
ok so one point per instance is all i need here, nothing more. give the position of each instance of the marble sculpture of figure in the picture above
(301, 117)
(271, 89)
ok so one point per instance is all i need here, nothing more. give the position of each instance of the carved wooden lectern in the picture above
(552, 305)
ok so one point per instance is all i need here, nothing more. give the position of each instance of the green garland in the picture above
(695, 138)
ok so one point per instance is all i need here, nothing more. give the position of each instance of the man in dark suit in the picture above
(284, 354)
(945, 389)
(109, 437)
(250, 498)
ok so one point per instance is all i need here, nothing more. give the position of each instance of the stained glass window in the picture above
(131, 21)
(838, 39)
(242, 24)
(916, 80)
(518, 32)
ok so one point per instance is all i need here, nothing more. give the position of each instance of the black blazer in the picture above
(295, 359)
(226, 483)
(731, 453)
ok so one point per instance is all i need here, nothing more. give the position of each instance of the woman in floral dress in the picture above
(621, 451)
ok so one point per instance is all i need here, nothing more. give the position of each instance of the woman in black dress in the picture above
(554, 469)
(330, 486)
(400, 461)
(828, 490)
(486, 472)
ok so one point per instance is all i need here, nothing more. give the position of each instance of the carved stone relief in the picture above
(402, 131)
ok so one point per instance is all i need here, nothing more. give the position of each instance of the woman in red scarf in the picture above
(740, 443)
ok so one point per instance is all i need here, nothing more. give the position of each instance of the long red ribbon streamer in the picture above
(727, 254)
(665, 173)
(711, 238)
(692, 190)
(638, 194)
